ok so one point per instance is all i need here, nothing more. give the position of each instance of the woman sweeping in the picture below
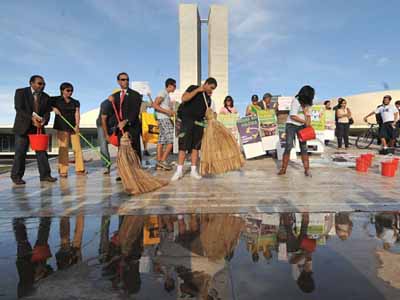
(299, 118)
(68, 107)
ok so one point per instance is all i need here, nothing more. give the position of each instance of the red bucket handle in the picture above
(39, 130)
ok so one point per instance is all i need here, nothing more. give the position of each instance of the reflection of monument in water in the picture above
(190, 48)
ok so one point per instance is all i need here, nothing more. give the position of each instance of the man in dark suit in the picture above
(33, 112)
(127, 104)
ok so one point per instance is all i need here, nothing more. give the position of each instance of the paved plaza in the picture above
(335, 186)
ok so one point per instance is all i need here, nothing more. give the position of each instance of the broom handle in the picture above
(87, 142)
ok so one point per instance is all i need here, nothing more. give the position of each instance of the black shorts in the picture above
(387, 131)
(190, 136)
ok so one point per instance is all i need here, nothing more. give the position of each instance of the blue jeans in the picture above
(291, 132)
(18, 168)
(103, 144)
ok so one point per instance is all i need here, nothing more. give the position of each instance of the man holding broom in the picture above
(192, 113)
(126, 108)
(127, 103)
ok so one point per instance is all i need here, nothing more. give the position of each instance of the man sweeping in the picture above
(126, 108)
(192, 112)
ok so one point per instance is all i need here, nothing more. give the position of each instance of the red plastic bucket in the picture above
(39, 141)
(368, 157)
(114, 140)
(361, 165)
(395, 161)
(306, 134)
(388, 168)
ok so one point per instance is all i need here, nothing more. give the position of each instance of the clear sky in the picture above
(340, 47)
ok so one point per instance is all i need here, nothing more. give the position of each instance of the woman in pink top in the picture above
(228, 106)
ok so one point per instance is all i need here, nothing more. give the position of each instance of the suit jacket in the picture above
(130, 108)
(23, 103)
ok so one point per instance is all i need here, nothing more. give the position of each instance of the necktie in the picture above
(36, 100)
(120, 104)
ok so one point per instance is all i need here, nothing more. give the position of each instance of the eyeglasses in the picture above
(69, 91)
(124, 79)
(40, 83)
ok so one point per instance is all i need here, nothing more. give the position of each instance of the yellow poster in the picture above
(150, 130)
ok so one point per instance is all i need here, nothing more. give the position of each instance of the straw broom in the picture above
(220, 153)
(134, 179)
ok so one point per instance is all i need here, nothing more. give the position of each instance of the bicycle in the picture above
(365, 139)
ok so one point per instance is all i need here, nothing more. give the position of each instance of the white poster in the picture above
(142, 87)
(284, 103)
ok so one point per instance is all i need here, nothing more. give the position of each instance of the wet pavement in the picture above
(202, 256)
(335, 186)
(243, 235)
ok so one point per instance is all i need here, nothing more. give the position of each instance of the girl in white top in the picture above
(299, 118)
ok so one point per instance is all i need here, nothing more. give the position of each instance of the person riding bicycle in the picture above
(389, 115)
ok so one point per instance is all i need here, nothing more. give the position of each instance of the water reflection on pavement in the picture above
(202, 256)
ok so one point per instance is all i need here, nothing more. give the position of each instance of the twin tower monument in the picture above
(190, 48)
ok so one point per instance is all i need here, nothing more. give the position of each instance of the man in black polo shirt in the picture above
(127, 104)
(111, 127)
(192, 112)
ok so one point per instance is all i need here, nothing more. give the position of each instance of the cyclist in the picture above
(389, 115)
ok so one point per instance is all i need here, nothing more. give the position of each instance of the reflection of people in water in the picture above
(343, 225)
(125, 250)
(70, 253)
(31, 264)
(301, 259)
(386, 225)
(199, 253)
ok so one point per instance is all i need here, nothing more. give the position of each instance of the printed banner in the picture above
(318, 117)
(268, 122)
(249, 130)
(329, 119)
(282, 134)
(229, 121)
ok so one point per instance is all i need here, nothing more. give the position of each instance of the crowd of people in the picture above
(121, 112)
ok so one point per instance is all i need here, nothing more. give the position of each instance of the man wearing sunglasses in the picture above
(127, 104)
(33, 108)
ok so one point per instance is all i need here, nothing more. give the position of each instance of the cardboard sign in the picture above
(142, 87)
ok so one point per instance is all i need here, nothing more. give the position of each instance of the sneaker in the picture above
(177, 175)
(164, 165)
(195, 175)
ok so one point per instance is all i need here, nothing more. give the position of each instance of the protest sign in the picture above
(142, 87)
(250, 138)
(284, 103)
(318, 117)
(229, 121)
(269, 128)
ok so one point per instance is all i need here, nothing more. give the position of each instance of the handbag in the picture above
(306, 134)
(351, 121)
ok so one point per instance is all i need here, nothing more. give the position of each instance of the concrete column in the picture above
(189, 46)
(218, 51)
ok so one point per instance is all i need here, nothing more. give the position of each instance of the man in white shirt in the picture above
(163, 106)
(389, 115)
